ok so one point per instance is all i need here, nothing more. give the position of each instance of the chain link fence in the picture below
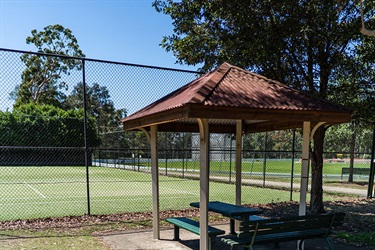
(63, 150)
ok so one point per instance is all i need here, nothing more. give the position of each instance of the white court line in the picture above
(81, 201)
(35, 190)
(32, 188)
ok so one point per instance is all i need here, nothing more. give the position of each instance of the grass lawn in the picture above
(54, 238)
(278, 170)
(271, 165)
(39, 192)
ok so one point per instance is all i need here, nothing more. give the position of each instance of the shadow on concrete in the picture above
(143, 240)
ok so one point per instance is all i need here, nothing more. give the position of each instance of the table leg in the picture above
(231, 226)
(176, 233)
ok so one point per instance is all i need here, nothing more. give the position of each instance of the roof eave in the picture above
(165, 116)
(217, 112)
(279, 119)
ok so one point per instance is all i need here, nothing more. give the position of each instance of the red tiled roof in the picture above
(193, 92)
(230, 86)
(241, 88)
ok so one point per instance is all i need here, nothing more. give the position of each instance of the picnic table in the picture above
(234, 212)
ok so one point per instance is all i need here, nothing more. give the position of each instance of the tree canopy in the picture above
(41, 80)
(44, 81)
(302, 43)
(98, 101)
(315, 46)
(99, 106)
(45, 125)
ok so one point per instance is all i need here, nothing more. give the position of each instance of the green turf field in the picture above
(273, 165)
(32, 192)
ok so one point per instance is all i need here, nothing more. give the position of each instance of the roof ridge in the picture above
(219, 82)
(211, 83)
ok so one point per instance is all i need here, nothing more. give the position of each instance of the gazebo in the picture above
(232, 100)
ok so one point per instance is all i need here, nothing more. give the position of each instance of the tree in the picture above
(99, 106)
(35, 127)
(175, 145)
(309, 45)
(364, 31)
(41, 80)
(46, 125)
(98, 102)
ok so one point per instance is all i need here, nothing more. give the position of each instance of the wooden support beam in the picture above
(204, 182)
(238, 161)
(155, 182)
(238, 165)
(305, 167)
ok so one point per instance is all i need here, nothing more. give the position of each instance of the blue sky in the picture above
(127, 31)
(116, 30)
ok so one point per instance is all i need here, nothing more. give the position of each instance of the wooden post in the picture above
(304, 167)
(238, 165)
(155, 181)
(238, 161)
(204, 183)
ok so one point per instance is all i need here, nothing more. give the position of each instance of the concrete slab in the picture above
(142, 240)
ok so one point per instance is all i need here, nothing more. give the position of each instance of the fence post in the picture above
(372, 170)
(265, 160)
(166, 162)
(133, 156)
(230, 160)
(85, 136)
(139, 159)
(183, 152)
(292, 171)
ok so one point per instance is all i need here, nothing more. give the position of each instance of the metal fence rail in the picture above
(66, 153)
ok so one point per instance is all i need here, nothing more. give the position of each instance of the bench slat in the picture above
(193, 226)
(287, 225)
(271, 238)
(285, 229)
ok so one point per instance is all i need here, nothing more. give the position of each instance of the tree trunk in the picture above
(316, 202)
(352, 147)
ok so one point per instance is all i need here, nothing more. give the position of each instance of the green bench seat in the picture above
(193, 226)
(264, 231)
